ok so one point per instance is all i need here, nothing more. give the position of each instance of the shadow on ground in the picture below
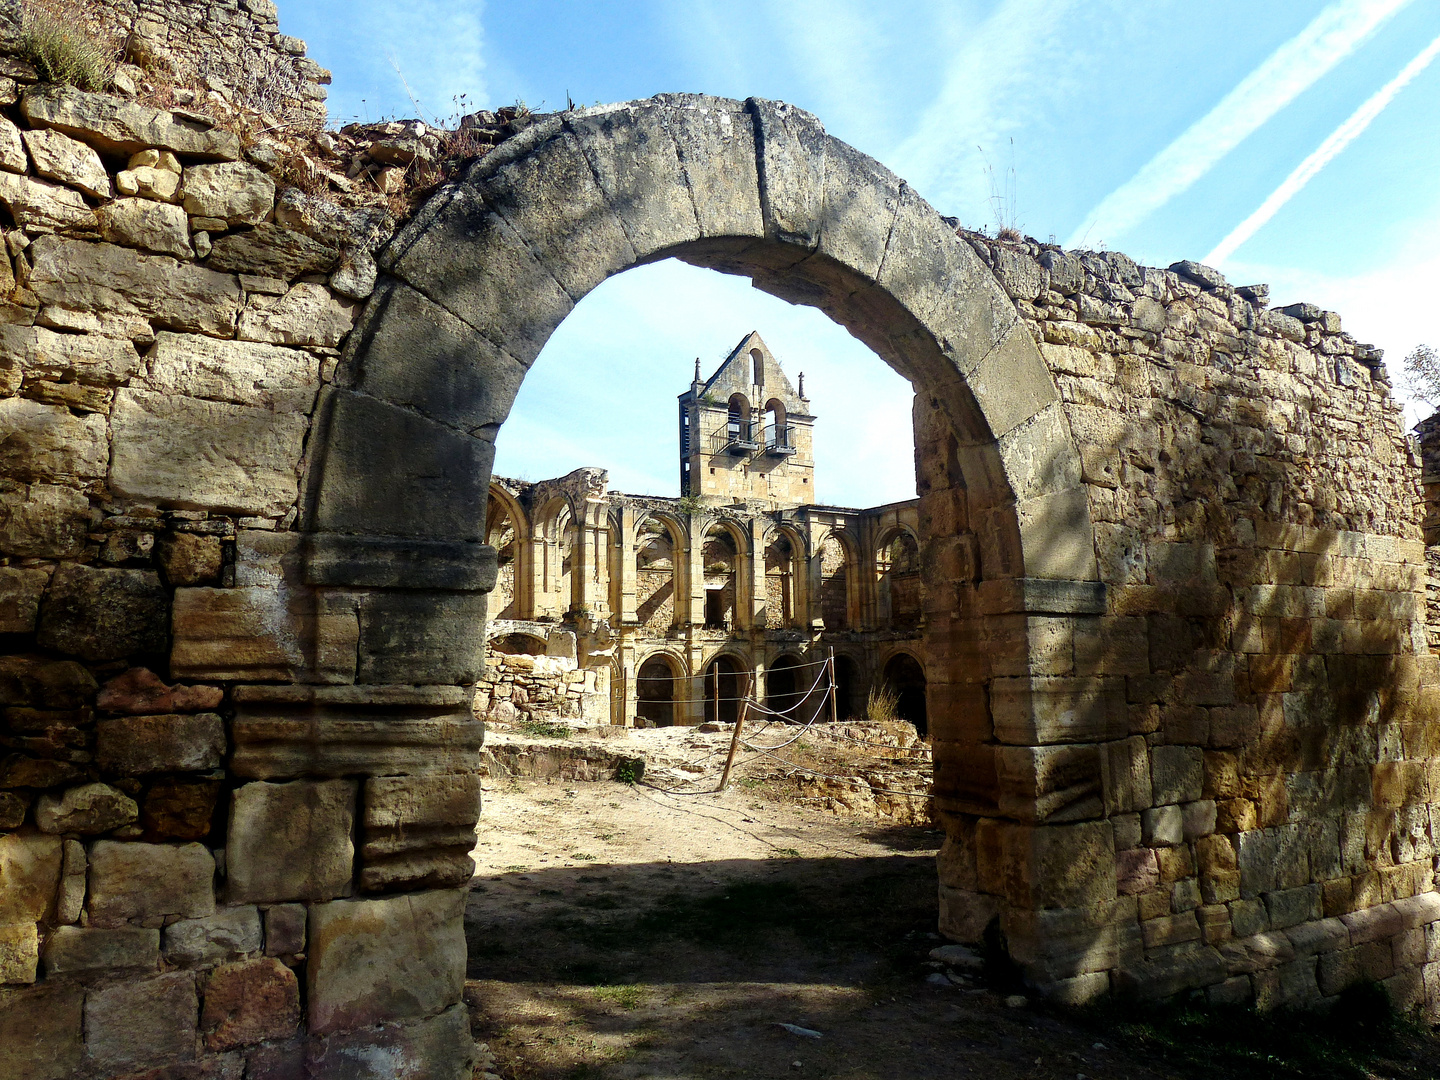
(662, 970)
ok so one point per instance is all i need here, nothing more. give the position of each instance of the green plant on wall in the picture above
(61, 51)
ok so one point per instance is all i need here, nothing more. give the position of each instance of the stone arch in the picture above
(836, 576)
(724, 568)
(555, 528)
(724, 677)
(512, 597)
(898, 582)
(903, 673)
(398, 462)
(782, 561)
(657, 691)
(659, 539)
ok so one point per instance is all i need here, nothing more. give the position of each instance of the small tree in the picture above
(1422, 374)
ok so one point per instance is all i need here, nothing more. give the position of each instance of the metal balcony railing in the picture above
(736, 437)
(779, 440)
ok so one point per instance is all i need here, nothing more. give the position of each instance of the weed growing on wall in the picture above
(55, 38)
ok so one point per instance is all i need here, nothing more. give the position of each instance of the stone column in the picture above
(625, 542)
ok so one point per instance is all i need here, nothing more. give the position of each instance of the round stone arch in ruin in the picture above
(476, 282)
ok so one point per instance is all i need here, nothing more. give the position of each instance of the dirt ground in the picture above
(617, 931)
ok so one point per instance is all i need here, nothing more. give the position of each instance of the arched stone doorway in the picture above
(655, 685)
(783, 682)
(847, 679)
(906, 680)
(394, 504)
(724, 685)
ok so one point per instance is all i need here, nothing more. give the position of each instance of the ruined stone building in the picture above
(742, 582)
(1179, 679)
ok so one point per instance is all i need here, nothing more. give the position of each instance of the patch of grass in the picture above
(1360, 1035)
(627, 997)
(788, 852)
(63, 53)
(628, 771)
(544, 729)
(581, 856)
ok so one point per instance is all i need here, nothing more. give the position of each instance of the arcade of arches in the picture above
(668, 591)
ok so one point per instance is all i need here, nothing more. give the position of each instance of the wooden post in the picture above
(735, 736)
(834, 691)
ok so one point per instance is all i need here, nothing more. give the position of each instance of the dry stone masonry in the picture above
(1179, 679)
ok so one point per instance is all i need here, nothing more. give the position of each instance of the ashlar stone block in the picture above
(75, 950)
(392, 959)
(249, 1002)
(137, 745)
(291, 841)
(141, 1025)
(143, 881)
(227, 935)
(40, 1029)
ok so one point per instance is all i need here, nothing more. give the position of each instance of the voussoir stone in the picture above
(228, 934)
(44, 442)
(118, 282)
(136, 745)
(241, 372)
(68, 160)
(141, 1025)
(44, 521)
(140, 881)
(145, 223)
(390, 959)
(115, 126)
(88, 809)
(104, 614)
(291, 841)
(139, 691)
(234, 191)
(205, 454)
(250, 1002)
(39, 204)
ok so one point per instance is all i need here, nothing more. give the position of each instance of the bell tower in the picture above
(746, 433)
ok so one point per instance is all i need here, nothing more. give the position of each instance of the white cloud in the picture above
(999, 71)
(1333, 35)
(1353, 127)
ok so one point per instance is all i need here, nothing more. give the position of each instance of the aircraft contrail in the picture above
(1327, 151)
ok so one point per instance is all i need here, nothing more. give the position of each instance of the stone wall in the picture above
(1241, 726)
(541, 688)
(1183, 701)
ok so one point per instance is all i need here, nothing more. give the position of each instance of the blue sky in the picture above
(1293, 143)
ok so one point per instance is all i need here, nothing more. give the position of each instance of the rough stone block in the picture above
(285, 930)
(137, 745)
(1219, 870)
(102, 614)
(233, 190)
(1163, 826)
(271, 748)
(142, 881)
(1136, 871)
(115, 126)
(209, 455)
(141, 1025)
(271, 250)
(1289, 907)
(1199, 818)
(1063, 866)
(74, 950)
(439, 1048)
(88, 809)
(71, 897)
(291, 841)
(35, 204)
(390, 959)
(1177, 773)
(118, 282)
(19, 952)
(48, 442)
(306, 315)
(43, 521)
(383, 469)
(239, 372)
(29, 876)
(180, 809)
(140, 691)
(190, 559)
(250, 1002)
(20, 592)
(40, 1029)
(228, 934)
(1371, 962)
(147, 224)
